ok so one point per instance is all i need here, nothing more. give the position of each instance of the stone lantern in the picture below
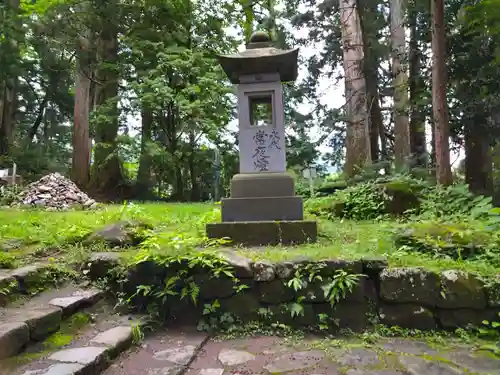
(263, 208)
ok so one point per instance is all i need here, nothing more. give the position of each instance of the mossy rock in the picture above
(325, 206)
(123, 233)
(460, 290)
(401, 198)
(332, 187)
(454, 240)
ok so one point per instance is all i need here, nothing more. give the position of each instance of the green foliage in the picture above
(8, 194)
(365, 201)
(402, 195)
(340, 286)
(452, 201)
(69, 328)
(490, 331)
(329, 207)
(336, 287)
(7, 260)
(466, 240)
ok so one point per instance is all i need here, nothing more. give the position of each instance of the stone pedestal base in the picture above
(263, 210)
(262, 197)
(264, 233)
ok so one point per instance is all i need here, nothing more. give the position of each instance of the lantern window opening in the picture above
(261, 109)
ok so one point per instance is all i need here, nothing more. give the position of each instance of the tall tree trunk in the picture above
(144, 185)
(81, 138)
(38, 121)
(8, 104)
(358, 153)
(417, 115)
(107, 169)
(478, 160)
(439, 106)
(9, 81)
(193, 175)
(400, 85)
(179, 184)
(367, 8)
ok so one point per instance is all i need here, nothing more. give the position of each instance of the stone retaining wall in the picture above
(406, 297)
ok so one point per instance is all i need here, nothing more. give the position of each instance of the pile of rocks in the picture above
(54, 192)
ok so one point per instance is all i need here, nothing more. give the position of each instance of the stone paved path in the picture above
(190, 353)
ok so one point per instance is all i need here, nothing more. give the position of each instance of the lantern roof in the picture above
(261, 57)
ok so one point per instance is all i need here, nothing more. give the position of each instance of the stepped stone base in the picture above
(263, 233)
(262, 209)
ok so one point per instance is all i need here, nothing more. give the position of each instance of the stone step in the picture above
(31, 320)
(89, 352)
(21, 281)
(169, 352)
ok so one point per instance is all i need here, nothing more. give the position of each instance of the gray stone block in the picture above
(461, 291)
(88, 355)
(265, 233)
(262, 185)
(262, 209)
(409, 285)
(13, 336)
(41, 322)
(407, 316)
(117, 339)
(59, 369)
(72, 303)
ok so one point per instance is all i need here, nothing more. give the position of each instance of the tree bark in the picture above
(193, 175)
(107, 169)
(8, 104)
(478, 160)
(400, 85)
(417, 115)
(439, 105)
(8, 86)
(358, 153)
(81, 138)
(38, 121)
(144, 173)
(371, 65)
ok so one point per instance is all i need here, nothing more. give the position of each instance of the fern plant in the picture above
(340, 286)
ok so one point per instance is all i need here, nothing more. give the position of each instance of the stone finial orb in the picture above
(260, 37)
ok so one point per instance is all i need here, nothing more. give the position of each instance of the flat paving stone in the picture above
(180, 356)
(211, 371)
(13, 336)
(357, 357)
(230, 357)
(372, 372)
(59, 369)
(114, 337)
(264, 355)
(76, 300)
(414, 347)
(166, 371)
(24, 272)
(295, 361)
(475, 362)
(421, 366)
(84, 356)
(68, 304)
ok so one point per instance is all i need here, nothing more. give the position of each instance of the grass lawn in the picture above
(181, 227)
